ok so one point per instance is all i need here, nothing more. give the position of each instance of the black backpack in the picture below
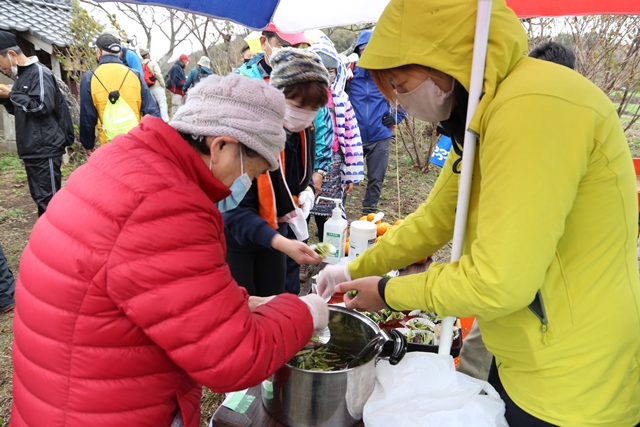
(201, 75)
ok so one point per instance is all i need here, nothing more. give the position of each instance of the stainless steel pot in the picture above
(301, 398)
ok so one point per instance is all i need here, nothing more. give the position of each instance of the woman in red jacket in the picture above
(125, 305)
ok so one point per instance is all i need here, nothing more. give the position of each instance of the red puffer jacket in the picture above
(125, 304)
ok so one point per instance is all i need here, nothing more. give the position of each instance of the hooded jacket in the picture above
(552, 212)
(43, 121)
(347, 131)
(369, 104)
(141, 310)
(255, 68)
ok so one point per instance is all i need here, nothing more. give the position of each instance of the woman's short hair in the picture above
(308, 94)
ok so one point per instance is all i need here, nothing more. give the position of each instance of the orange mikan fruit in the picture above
(370, 216)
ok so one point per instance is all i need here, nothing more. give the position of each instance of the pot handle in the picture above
(394, 349)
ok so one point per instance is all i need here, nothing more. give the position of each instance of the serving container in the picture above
(302, 398)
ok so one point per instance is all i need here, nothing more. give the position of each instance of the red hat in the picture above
(293, 39)
(184, 57)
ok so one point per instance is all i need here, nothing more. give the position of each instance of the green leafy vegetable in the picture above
(323, 249)
(324, 358)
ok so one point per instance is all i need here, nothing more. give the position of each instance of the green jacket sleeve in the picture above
(422, 233)
(528, 181)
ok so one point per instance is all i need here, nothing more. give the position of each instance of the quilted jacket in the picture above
(125, 305)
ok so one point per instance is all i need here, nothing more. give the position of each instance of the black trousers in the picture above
(260, 273)
(292, 278)
(7, 283)
(44, 179)
(515, 416)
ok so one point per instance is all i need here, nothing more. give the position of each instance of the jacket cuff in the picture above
(382, 284)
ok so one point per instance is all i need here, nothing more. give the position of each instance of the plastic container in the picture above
(335, 232)
(362, 235)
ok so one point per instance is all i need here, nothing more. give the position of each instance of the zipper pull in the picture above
(545, 337)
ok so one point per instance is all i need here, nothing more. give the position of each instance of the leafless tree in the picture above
(607, 51)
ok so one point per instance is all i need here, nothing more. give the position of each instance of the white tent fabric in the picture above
(298, 15)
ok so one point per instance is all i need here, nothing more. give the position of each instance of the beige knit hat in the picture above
(246, 109)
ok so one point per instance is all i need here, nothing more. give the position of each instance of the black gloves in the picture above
(388, 120)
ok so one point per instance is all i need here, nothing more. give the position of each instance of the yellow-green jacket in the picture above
(553, 209)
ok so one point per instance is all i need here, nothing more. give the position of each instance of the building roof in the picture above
(47, 20)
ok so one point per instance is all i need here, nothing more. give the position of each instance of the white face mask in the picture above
(428, 102)
(297, 119)
(274, 50)
(14, 67)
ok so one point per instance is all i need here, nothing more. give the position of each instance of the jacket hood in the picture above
(440, 34)
(325, 45)
(363, 38)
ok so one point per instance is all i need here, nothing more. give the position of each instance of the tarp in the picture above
(297, 15)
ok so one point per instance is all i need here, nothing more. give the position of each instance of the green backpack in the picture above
(118, 117)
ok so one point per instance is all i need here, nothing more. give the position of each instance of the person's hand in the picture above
(367, 299)
(297, 250)
(306, 200)
(329, 277)
(255, 302)
(317, 181)
(388, 120)
(318, 309)
(89, 151)
(5, 91)
(348, 187)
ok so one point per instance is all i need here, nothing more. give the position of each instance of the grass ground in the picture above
(18, 215)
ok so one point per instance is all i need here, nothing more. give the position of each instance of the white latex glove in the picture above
(299, 225)
(306, 200)
(318, 309)
(329, 277)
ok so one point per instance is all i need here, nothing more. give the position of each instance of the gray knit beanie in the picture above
(246, 109)
(327, 60)
(291, 66)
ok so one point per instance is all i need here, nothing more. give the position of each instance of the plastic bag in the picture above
(425, 389)
(118, 118)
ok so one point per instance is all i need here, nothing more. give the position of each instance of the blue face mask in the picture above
(239, 189)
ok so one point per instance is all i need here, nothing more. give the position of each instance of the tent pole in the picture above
(475, 90)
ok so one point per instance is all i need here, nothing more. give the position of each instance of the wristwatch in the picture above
(321, 172)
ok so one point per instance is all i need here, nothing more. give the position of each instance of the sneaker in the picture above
(9, 307)
(304, 272)
(367, 210)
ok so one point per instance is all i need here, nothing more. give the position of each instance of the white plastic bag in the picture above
(425, 389)
(299, 225)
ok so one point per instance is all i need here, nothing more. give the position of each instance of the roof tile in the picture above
(48, 20)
